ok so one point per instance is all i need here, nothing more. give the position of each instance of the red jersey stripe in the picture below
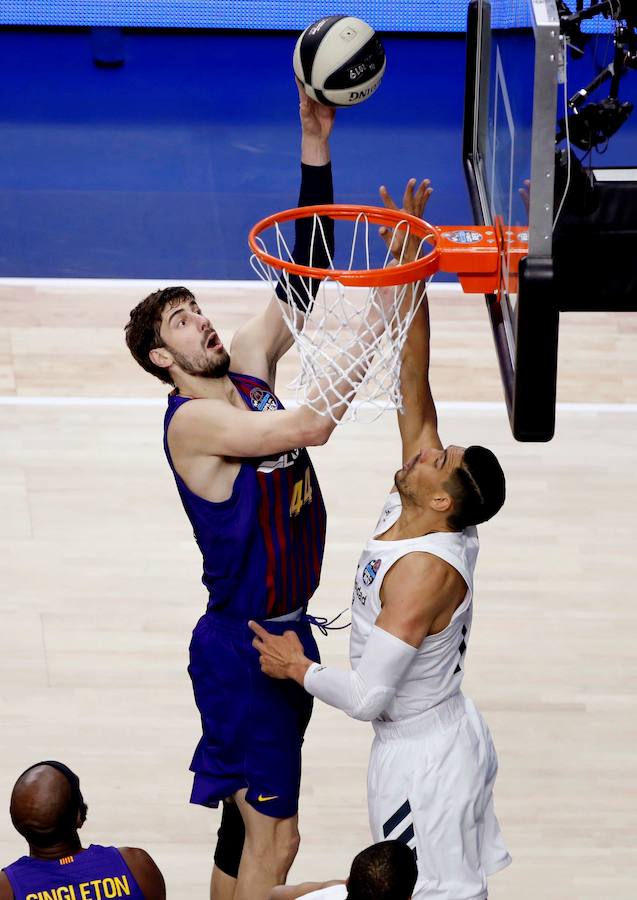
(264, 519)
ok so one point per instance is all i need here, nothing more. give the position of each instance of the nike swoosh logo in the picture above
(262, 799)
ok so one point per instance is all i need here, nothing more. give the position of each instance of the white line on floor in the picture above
(149, 284)
(445, 405)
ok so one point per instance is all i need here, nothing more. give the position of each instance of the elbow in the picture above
(370, 707)
(364, 715)
(323, 431)
(367, 713)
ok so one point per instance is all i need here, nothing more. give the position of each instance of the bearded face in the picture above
(204, 364)
(190, 342)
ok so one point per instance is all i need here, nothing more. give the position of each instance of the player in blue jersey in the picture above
(251, 494)
(47, 809)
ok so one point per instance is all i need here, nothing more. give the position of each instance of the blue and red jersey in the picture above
(92, 874)
(263, 547)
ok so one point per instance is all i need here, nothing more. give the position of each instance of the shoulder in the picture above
(418, 589)
(461, 548)
(135, 854)
(6, 892)
(189, 416)
(421, 577)
(455, 546)
(422, 564)
(145, 872)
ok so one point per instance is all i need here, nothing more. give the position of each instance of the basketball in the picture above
(340, 60)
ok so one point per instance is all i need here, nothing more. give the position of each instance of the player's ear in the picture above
(441, 502)
(161, 357)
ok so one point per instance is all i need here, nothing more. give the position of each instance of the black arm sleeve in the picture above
(316, 188)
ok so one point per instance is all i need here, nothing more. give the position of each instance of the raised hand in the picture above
(415, 199)
(317, 120)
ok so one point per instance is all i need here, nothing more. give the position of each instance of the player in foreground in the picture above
(47, 809)
(253, 499)
(385, 871)
(433, 764)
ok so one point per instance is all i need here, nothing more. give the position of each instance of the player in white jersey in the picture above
(433, 763)
(384, 871)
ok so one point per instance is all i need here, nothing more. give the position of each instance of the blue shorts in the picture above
(253, 725)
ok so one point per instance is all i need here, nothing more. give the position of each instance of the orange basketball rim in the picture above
(471, 252)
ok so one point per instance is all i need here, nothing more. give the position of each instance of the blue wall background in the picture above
(160, 167)
(387, 15)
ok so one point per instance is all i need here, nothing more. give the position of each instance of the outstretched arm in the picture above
(416, 592)
(218, 428)
(418, 422)
(293, 891)
(261, 342)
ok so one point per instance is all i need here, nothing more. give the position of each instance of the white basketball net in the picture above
(346, 326)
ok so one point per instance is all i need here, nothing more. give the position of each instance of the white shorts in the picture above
(430, 784)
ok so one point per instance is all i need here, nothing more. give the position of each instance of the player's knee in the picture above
(288, 846)
(278, 849)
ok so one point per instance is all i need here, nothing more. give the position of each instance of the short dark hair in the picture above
(384, 871)
(478, 488)
(142, 329)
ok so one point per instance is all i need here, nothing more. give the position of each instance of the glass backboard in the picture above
(509, 153)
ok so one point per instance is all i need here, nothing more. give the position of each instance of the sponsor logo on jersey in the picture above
(370, 571)
(280, 462)
(386, 513)
(359, 595)
(261, 399)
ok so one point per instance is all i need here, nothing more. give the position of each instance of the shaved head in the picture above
(45, 804)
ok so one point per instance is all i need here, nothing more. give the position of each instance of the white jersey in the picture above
(438, 668)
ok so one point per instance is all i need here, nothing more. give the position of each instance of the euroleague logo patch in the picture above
(463, 237)
(261, 399)
(370, 571)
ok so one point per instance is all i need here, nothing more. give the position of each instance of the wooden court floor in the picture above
(99, 590)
